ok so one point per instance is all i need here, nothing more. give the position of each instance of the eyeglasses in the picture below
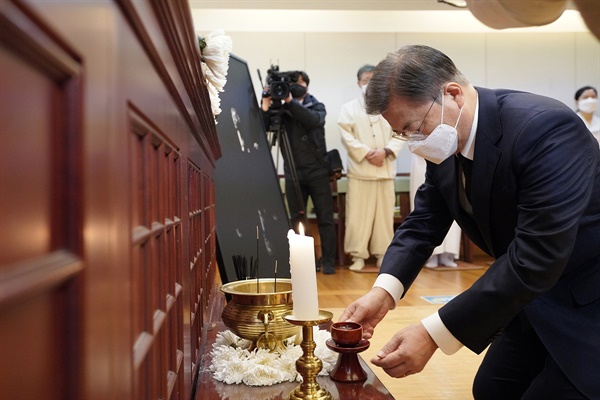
(414, 135)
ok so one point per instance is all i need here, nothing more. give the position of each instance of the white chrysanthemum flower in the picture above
(287, 366)
(226, 338)
(328, 357)
(234, 373)
(294, 352)
(222, 356)
(216, 53)
(290, 341)
(232, 340)
(215, 49)
(232, 362)
(264, 357)
(262, 375)
(213, 94)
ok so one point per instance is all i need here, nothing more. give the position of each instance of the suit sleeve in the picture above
(553, 165)
(422, 231)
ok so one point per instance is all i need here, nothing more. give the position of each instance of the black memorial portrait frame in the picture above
(251, 216)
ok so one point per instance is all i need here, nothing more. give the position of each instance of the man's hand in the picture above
(369, 310)
(376, 157)
(265, 99)
(407, 352)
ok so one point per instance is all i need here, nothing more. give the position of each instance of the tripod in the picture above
(280, 138)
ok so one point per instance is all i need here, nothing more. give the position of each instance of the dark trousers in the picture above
(518, 366)
(318, 187)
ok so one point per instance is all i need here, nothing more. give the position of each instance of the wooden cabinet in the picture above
(107, 235)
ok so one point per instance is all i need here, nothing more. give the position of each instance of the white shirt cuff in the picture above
(390, 284)
(440, 334)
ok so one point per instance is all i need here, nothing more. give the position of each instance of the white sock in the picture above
(357, 264)
(432, 262)
(447, 259)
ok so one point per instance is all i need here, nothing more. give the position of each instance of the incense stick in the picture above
(240, 263)
(257, 272)
(275, 288)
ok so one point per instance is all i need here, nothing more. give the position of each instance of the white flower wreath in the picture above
(233, 363)
(215, 49)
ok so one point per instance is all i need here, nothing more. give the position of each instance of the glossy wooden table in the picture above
(210, 389)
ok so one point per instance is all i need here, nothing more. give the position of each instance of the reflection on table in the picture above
(210, 389)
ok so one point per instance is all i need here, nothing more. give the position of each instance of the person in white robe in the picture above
(371, 169)
(448, 252)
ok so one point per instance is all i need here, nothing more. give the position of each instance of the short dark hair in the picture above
(580, 91)
(304, 77)
(363, 69)
(414, 72)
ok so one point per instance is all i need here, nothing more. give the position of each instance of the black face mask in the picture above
(297, 91)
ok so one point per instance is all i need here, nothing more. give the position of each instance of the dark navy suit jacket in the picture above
(536, 210)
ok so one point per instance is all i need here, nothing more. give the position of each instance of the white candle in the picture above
(304, 276)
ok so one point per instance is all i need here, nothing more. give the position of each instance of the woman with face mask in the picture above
(586, 99)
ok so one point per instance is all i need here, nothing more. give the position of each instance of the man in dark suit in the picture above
(521, 176)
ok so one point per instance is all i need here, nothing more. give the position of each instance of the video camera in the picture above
(279, 82)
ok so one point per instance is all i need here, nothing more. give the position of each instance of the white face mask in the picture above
(588, 105)
(363, 88)
(441, 143)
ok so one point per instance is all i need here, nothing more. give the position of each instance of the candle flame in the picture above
(301, 229)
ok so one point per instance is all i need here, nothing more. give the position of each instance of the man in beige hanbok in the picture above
(371, 171)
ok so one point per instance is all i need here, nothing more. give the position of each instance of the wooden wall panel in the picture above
(158, 339)
(41, 260)
(107, 151)
(195, 218)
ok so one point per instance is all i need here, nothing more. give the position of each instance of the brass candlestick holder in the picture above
(309, 365)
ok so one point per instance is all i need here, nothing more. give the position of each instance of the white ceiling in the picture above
(322, 4)
(327, 4)
(350, 16)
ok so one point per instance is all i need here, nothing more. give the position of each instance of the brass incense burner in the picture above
(255, 311)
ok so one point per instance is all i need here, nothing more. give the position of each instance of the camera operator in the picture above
(302, 118)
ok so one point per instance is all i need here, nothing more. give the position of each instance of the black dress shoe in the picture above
(329, 270)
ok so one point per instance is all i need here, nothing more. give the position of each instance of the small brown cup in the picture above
(346, 333)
